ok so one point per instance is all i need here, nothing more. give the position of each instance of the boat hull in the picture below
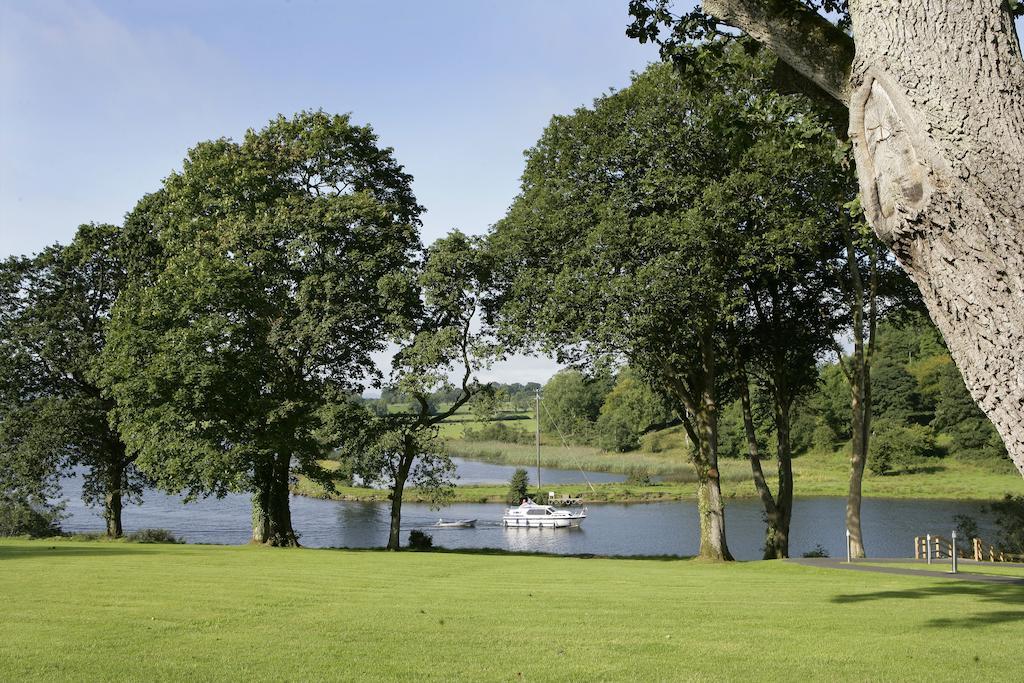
(549, 523)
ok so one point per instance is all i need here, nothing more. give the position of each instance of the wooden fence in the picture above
(977, 549)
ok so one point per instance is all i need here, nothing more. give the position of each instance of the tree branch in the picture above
(815, 48)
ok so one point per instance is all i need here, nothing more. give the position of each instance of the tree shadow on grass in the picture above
(998, 595)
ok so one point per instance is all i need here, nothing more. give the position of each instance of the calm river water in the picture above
(612, 529)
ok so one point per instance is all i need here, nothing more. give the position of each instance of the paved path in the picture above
(830, 563)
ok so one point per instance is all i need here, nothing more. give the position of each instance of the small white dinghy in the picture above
(530, 514)
(456, 524)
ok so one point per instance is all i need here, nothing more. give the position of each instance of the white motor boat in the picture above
(530, 514)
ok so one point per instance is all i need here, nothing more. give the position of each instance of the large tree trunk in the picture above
(937, 123)
(710, 504)
(771, 511)
(271, 509)
(784, 496)
(397, 491)
(112, 500)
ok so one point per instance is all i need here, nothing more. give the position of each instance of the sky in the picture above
(99, 101)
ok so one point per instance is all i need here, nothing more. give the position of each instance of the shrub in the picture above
(518, 486)
(32, 518)
(966, 527)
(638, 475)
(420, 540)
(894, 445)
(824, 437)
(819, 551)
(152, 536)
(1009, 517)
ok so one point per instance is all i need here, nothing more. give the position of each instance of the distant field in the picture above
(815, 475)
(664, 454)
(117, 611)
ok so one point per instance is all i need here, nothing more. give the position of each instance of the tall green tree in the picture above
(629, 409)
(54, 315)
(929, 94)
(632, 236)
(571, 404)
(789, 315)
(402, 448)
(274, 268)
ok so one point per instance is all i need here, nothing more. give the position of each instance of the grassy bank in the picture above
(814, 474)
(112, 611)
(664, 454)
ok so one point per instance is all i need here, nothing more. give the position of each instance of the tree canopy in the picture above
(277, 266)
(54, 312)
(646, 223)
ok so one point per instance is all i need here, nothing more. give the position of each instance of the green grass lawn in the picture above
(117, 611)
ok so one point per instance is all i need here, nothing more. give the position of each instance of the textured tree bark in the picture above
(112, 501)
(784, 497)
(813, 47)
(395, 530)
(271, 509)
(771, 511)
(937, 123)
(710, 504)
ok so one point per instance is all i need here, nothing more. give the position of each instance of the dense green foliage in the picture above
(518, 486)
(1009, 518)
(692, 231)
(629, 410)
(572, 403)
(277, 266)
(188, 611)
(396, 448)
(54, 309)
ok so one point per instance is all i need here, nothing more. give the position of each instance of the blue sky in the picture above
(100, 100)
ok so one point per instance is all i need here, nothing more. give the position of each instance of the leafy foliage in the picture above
(628, 410)
(400, 448)
(54, 309)
(572, 404)
(420, 540)
(1009, 517)
(277, 266)
(152, 536)
(895, 445)
(518, 486)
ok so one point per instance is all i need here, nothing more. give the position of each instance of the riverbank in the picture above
(814, 475)
(98, 611)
